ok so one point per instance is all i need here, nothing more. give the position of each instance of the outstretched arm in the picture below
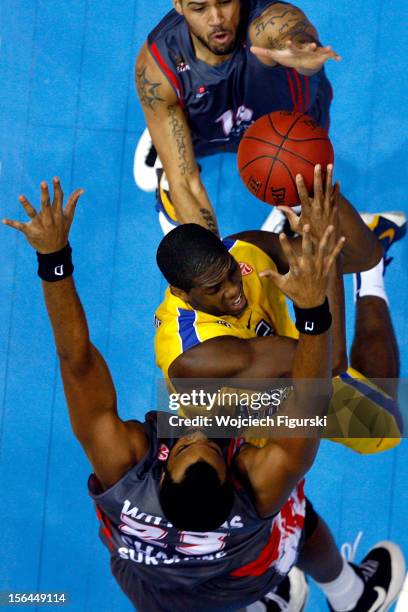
(168, 127)
(112, 446)
(274, 470)
(283, 35)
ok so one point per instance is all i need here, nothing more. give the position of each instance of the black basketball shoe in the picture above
(383, 572)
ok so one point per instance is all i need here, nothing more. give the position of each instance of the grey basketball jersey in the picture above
(222, 101)
(247, 553)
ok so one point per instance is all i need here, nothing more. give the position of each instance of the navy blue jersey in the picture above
(222, 101)
(245, 557)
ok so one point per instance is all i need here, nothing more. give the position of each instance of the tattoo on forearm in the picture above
(177, 129)
(289, 25)
(300, 32)
(209, 219)
(147, 90)
(274, 43)
(266, 20)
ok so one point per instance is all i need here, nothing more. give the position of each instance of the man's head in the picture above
(214, 24)
(201, 271)
(195, 492)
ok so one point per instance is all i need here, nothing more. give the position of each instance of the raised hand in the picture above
(320, 211)
(307, 279)
(47, 231)
(303, 57)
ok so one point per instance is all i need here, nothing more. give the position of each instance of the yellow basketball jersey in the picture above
(180, 327)
(357, 409)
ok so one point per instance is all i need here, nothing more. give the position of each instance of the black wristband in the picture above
(313, 321)
(56, 266)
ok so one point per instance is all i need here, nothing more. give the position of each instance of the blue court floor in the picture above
(69, 108)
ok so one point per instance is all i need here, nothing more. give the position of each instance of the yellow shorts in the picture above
(363, 411)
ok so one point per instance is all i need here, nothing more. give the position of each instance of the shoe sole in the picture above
(398, 571)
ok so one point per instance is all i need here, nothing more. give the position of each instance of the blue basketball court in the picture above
(69, 108)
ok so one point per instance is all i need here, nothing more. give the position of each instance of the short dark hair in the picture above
(187, 252)
(199, 502)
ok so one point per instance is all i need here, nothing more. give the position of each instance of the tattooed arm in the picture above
(282, 34)
(170, 133)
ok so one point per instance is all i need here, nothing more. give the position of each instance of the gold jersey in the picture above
(180, 327)
(358, 407)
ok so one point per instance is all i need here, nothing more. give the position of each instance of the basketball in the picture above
(275, 149)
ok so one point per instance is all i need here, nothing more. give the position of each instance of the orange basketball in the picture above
(275, 149)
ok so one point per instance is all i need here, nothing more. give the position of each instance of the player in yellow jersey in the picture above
(222, 319)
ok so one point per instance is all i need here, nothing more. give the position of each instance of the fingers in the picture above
(72, 202)
(58, 194)
(328, 50)
(261, 52)
(317, 183)
(298, 46)
(338, 247)
(267, 273)
(303, 194)
(329, 178)
(325, 242)
(275, 277)
(289, 253)
(328, 188)
(15, 224)
(334, 254)
(307, 246)
(292, 217)
(44, 196)
(30, 210)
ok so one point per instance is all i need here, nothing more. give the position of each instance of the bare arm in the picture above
(234, 358)
(112, 445)
(274, 470)
(170, 133)
(282, 34)
(335, 294)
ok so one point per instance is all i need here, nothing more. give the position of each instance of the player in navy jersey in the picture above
(193, 523)
(207, 71)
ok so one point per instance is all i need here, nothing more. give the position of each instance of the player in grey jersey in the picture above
(178, 544)
(207, 71)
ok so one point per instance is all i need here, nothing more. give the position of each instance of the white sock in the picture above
(370, 283)
(343, 592)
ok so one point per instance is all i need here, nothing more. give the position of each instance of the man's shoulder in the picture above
(171, 21)
(170, 308)
(256, 8)
(254, 245)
